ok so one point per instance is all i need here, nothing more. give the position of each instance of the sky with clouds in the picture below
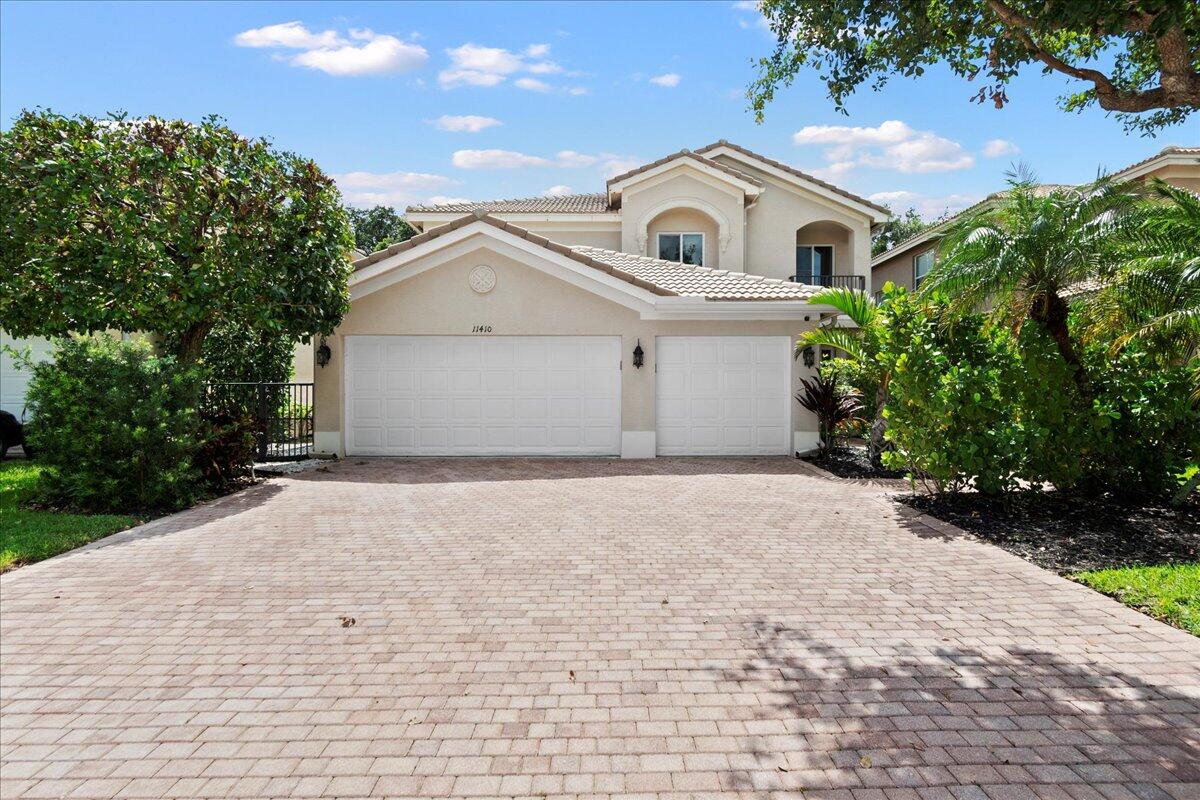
(415, 103)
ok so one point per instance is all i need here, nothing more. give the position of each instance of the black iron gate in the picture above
(281, 415)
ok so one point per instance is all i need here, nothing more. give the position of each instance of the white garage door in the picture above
(723, 395)
(14, 379)
(462, 396)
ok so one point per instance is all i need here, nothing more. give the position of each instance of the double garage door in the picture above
(560, 395)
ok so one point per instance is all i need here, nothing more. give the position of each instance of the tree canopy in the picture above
(1138, 58)
(166, 227)
(898, 229)
(376, 228)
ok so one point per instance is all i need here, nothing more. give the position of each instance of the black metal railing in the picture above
(835, 281)
(281, 415)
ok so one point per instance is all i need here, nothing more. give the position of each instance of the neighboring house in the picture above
(908, 262)
(655, 318)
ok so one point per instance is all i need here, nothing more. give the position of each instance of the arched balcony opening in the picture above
(687, 235)
(825, 257)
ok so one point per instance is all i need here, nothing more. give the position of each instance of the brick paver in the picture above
(675, 628)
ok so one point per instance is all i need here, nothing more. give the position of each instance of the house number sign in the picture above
(482, 279)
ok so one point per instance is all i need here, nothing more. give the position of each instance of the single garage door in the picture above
(723, 395)
(14, 379)
(467, 396)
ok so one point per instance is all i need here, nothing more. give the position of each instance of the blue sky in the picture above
(404, 102)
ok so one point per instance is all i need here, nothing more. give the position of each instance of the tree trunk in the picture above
(191, 343)
(878, 426)
(1052, 314)
(1186, 490)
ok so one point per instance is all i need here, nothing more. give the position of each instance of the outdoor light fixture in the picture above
(323, 353)
(639, 355)
(809, 357)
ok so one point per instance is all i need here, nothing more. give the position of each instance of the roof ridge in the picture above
(685, 153)
(792, 170)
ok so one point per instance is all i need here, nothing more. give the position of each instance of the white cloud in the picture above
(745, 5)
(363, 53)
(495, 159)
(397, 189)
(609, 163)
(994, 148)
(891, 145)
(557, 191)
(929, 207)
(467, 123)
(442, 200)
(287, 34)
(531, 84)
(670, 80)
(476, 65)
(577, 91)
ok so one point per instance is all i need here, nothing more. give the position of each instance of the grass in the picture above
(28, 535)
(1170, 592)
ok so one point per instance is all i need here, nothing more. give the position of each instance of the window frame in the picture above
(703, 246)
(833, 259)
(932, 253)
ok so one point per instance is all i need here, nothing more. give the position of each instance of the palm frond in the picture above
(839, 338)
(858, 306)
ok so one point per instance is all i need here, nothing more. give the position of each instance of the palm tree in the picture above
(1025, 254)
(860, 345)
(1153, 294)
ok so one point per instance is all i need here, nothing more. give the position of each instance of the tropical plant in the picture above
(1025, 255)
(860, 345)
(1133, 58)
(833, 405)
(165, 227)
(1152, 294)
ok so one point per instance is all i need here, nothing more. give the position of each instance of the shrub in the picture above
(233, 352)
(972, 404)
(1147, 421)
(116, 427)
(833, 405)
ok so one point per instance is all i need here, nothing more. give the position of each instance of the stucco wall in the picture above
(672, 191)
(781, 209)
(898, 270)
(525, 302)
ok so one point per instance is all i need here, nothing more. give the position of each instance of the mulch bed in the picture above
(1071, 532)
(850, 461)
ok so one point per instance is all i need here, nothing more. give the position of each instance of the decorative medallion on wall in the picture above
(482, 279)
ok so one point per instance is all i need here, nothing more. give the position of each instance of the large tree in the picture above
(1137, 58)
(376, 228)
(166, 227)
(899, 228)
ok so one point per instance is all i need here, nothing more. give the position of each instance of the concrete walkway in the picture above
(670, 628)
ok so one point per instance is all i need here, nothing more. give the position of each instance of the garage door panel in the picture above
(723, 395)
(439, 395)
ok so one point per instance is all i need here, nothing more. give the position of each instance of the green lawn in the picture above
(1170, 593)
(27, 536)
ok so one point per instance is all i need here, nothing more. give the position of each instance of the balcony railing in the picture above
(858, 282)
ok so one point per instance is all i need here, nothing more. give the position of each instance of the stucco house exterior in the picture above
(655, 318)
(909, 261)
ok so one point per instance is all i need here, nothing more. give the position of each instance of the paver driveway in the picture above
(670, 628)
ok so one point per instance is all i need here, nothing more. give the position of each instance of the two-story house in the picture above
(655, 318)
(908, 262)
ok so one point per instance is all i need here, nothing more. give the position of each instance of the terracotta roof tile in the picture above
(592, 203)
(663, 278)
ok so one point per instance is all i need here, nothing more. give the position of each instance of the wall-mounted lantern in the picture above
(639, 355)
(323, 353)
(809, 356)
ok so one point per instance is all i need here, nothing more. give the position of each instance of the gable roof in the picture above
(1147, 164)
(587, 203)
(662, 278)
(779, 165)
(686, 154)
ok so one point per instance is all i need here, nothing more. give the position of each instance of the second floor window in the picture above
(686, 248)
(813, 261)
(921, 266)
